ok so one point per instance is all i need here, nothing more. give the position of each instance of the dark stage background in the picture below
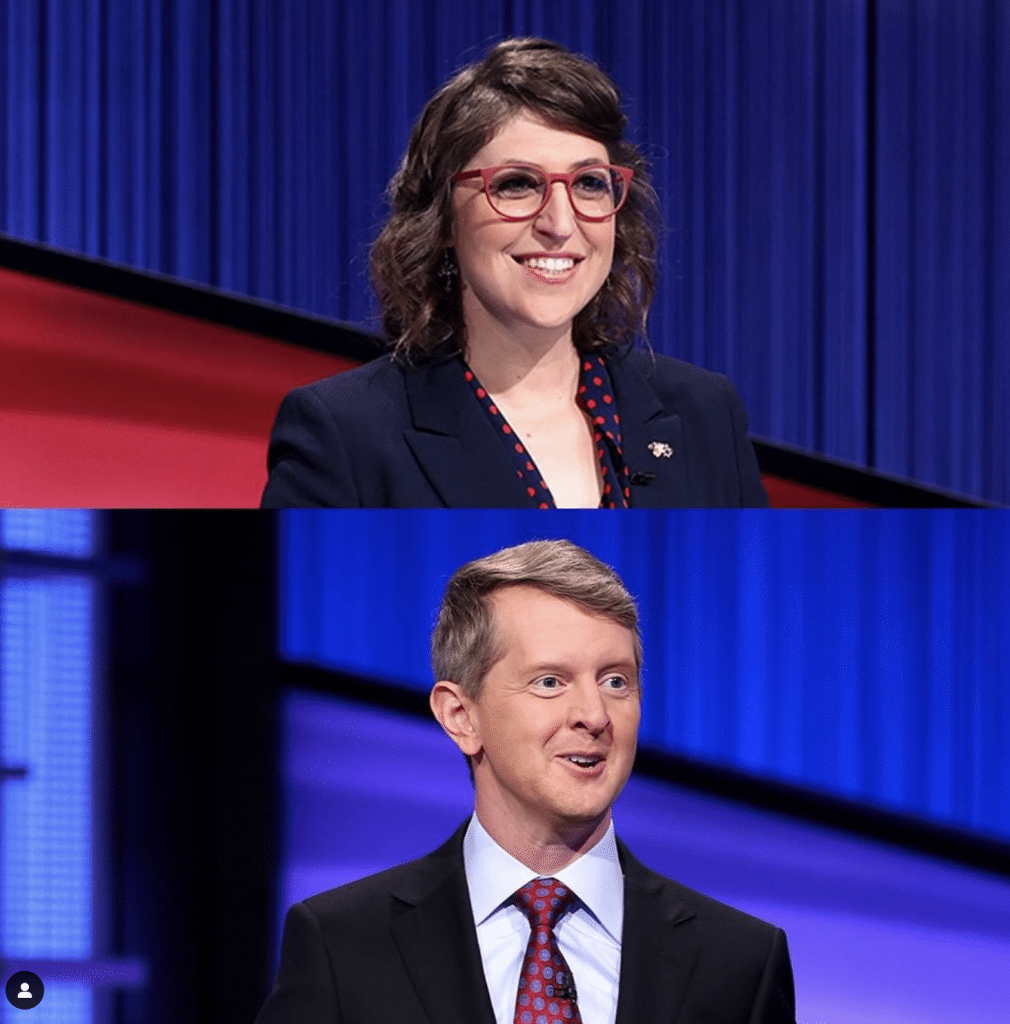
(834, 176)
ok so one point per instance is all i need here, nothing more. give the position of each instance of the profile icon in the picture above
(24, 990)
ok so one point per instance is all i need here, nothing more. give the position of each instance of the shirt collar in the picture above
(492, 876)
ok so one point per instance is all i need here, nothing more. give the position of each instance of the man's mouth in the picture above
(583, 762)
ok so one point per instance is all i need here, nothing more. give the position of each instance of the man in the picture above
(533, 912)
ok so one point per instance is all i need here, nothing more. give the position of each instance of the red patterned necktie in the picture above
(546, 988)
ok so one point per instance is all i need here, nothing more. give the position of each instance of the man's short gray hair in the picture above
(464, 645)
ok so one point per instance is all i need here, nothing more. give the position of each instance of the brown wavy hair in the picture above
(420, 317)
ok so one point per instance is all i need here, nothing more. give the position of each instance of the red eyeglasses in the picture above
(520, 192)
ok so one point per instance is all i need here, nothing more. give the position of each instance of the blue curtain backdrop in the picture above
(865, 655)
(835, 176)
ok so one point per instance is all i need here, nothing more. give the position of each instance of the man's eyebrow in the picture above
(559, 668)
(540, 667)
(622, 665)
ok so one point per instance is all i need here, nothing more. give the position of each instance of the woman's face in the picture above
(504, 286)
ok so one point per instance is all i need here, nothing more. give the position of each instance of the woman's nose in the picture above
(557, 218)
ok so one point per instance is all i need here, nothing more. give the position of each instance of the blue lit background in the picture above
(865, 655)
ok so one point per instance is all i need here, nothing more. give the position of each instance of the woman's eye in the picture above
(593, 184)
(514, 184)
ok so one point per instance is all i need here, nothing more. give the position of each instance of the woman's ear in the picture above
(455, 713)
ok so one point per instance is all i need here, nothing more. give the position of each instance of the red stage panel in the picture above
(788, 494)
(106, 403)
(110, 403)
(61, 461)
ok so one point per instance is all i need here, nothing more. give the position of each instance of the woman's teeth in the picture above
(549, 264)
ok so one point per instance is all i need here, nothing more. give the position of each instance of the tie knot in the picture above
(543, 901)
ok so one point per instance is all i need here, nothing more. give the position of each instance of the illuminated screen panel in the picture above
(47, 853)
(877, 936)
(45, 664)
(69, 532)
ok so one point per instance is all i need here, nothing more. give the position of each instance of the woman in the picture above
(514, 274)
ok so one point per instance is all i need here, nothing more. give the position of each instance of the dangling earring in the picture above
(447, 272)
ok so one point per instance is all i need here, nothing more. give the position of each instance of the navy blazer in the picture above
(402, 946)
(387, 435)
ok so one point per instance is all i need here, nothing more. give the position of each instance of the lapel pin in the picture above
(660, 449)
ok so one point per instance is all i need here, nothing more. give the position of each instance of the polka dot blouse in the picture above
(595, 397)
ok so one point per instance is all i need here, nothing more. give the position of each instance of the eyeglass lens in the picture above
(519, 191)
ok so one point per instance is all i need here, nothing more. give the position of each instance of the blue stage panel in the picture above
(863, 654)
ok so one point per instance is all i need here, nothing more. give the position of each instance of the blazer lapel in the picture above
(437, 939)
(653, 442)
(455, 443)
(466, 464)
(657, 952)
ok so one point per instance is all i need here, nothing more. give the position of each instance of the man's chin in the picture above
(580, 830)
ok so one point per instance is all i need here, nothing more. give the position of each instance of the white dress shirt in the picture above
(589, 934)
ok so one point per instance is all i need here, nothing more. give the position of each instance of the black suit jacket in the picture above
(402, 946)
(385, 435)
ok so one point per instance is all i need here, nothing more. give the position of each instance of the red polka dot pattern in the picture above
(546, 993)
(596, 398)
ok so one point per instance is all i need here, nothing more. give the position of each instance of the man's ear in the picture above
(454, 711)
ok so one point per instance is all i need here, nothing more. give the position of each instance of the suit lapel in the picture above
(435, 934)
(653, 442)
(455, 443)
(466, 464)
(434, 931)
(658, 947)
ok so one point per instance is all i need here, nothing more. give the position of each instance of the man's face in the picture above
(556, 723)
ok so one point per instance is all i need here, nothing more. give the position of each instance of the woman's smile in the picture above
(552, 268)
(555, 248)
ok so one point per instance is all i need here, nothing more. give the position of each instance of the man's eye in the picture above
(615, 683)
(548, 683)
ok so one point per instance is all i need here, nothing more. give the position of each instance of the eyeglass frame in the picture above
(626, 174)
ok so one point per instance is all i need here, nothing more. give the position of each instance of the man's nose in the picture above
(588, 708)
